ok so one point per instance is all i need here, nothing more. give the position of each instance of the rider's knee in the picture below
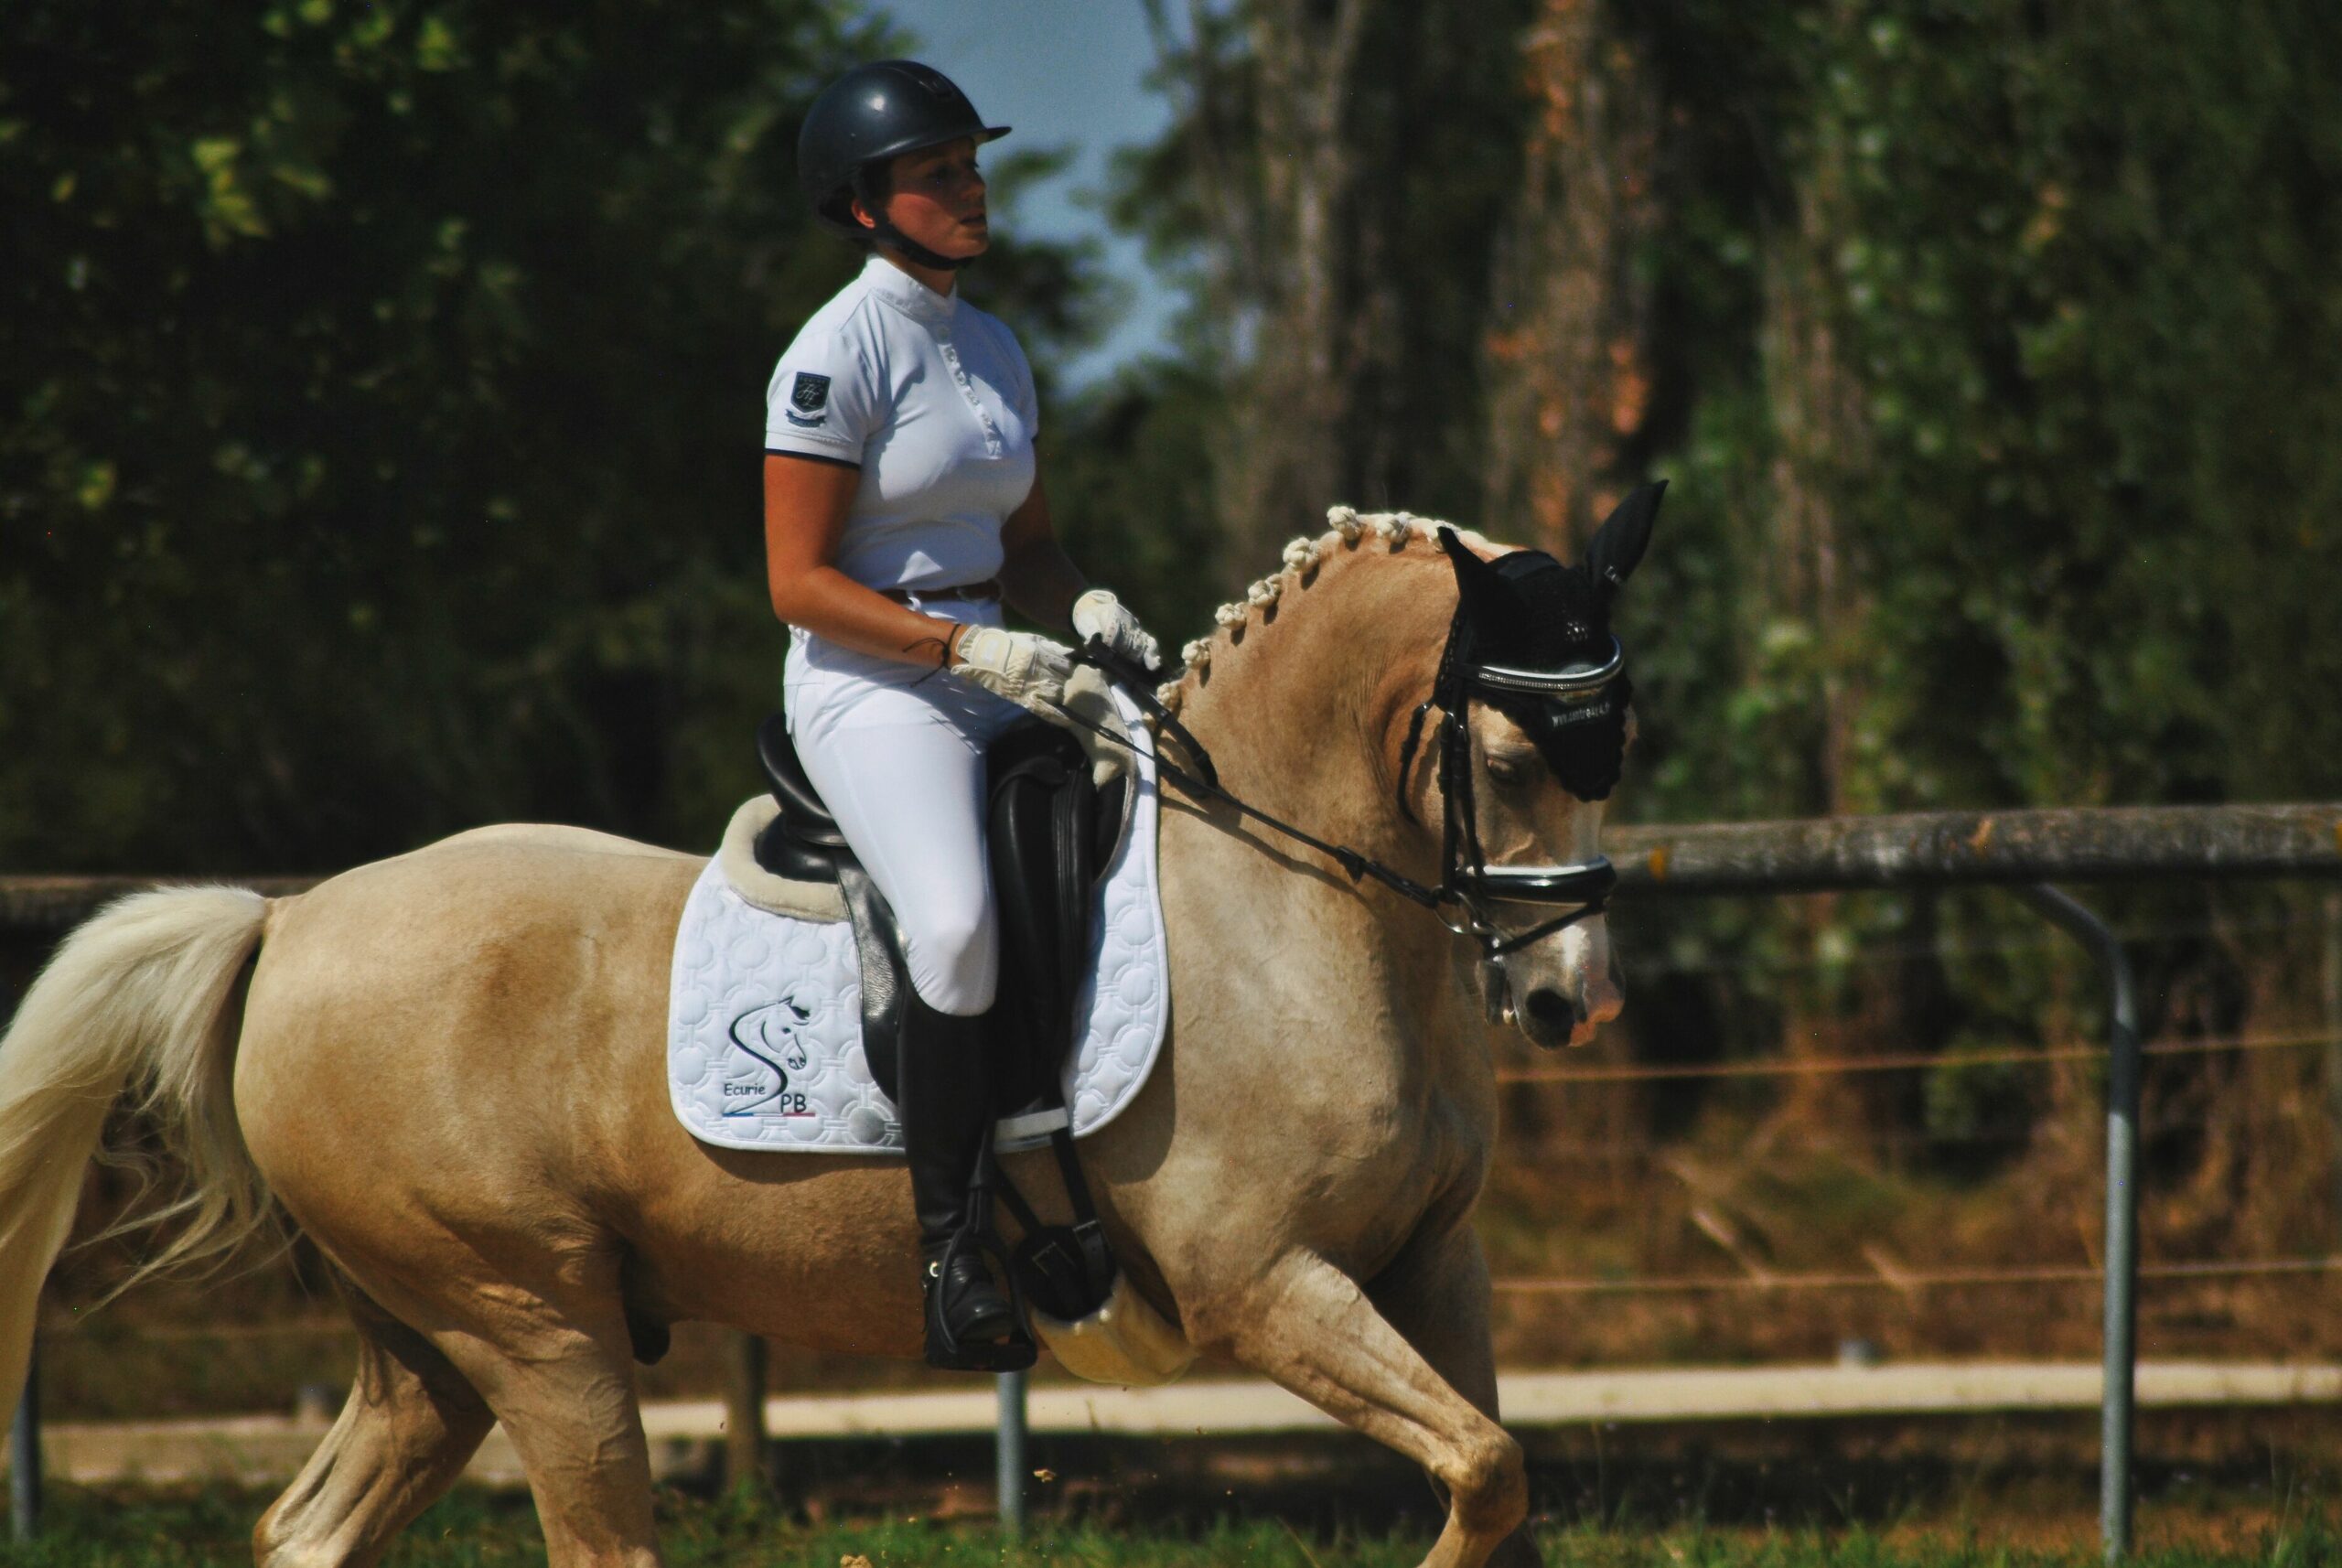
(955, 962)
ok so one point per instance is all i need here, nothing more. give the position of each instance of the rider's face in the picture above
(936, 198)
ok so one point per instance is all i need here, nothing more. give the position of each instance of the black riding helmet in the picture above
(872, 113)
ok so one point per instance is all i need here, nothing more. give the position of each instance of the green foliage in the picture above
(1975, 1095)
(2091, 312)
(2076, 268)
(381, 387)
(1431, 116)
(1129, 485)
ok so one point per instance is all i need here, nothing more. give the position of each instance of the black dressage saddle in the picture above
(1050, 834)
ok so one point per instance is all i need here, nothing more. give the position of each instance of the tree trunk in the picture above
(1566, 355)
(1284, 463)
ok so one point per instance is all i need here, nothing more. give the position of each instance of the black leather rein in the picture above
(1585, 887)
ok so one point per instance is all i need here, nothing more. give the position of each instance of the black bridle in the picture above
(1467, 884)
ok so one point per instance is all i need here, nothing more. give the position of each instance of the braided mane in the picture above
(1347, 530)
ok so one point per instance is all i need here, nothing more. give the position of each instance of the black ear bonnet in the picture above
(1525, 611)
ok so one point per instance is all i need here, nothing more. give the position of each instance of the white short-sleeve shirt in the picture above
(933, 400)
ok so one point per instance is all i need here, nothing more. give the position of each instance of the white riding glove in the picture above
(1028, 671)
(1099, 613)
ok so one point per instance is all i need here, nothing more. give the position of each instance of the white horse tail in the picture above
(144, 992)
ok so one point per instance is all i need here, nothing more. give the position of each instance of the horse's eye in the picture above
(1510, 771)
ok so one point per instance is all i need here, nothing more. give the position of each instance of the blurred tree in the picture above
(1339, 171)
(1129, 485)
(1988, 344)
(1569, 319)
(383, 384)
(1985, 341)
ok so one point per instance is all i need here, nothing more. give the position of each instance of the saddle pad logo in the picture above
(811, 392)
(768, 1037)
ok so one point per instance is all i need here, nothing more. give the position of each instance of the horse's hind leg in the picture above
(563, 1385)
(410, 1426)
(1308, 1325)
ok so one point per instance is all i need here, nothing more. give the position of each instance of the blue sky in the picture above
(1061, 72)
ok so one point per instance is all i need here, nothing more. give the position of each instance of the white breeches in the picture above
(897, 754)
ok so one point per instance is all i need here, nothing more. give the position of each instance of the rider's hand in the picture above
(1028, 671)
(1099, 613)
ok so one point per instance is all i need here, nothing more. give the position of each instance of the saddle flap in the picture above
(1043, 843)
(879, 947)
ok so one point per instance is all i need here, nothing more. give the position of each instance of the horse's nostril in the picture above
(1549, 1009)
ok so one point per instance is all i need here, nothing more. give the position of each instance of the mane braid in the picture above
(1347, 529)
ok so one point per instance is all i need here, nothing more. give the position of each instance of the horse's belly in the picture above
(813, 1249)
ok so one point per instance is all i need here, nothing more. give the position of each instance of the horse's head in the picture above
(1495, 725)
(1536, 701)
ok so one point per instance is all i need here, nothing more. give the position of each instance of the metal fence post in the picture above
(2329, 986)
(744, 1413)
(24, 1457)
(2122, 1211)
(1009, 1454)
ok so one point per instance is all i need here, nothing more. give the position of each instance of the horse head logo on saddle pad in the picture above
(757, 1082)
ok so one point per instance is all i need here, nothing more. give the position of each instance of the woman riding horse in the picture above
(902, 504)
(447, 1068)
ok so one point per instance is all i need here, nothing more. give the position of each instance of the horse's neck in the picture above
(1304, 709)
(1325, 1036)
(1302, 706)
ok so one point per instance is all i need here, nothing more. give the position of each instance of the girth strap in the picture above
(1065, 1271)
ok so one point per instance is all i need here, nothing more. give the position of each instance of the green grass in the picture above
(477, 1530)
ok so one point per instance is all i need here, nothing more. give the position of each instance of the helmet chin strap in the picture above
(882, 229)
(896, 239)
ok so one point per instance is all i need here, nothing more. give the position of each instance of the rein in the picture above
(1586, 886)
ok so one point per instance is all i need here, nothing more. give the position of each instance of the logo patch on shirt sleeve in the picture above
(811, 392)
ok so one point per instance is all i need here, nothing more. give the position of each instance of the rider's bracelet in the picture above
(950, 641)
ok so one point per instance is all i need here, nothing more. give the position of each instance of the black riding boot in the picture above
(945, 1098)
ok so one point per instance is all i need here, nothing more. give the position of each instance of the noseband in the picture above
(1469, 886)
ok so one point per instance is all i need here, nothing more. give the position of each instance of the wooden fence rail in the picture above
(1807, 856)
(2127, 844)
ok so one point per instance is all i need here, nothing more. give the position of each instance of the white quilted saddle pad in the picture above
(764, 1013)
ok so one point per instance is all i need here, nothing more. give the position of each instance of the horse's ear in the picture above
(1618, 544)
(1477, 584)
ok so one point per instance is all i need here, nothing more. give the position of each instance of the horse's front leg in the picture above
(1308, 1325)
(1436, 1294)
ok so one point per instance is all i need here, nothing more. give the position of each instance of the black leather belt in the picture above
(984, 593)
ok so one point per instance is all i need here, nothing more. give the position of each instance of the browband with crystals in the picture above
(1574, 679)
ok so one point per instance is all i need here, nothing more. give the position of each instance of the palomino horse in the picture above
(447, 1070)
